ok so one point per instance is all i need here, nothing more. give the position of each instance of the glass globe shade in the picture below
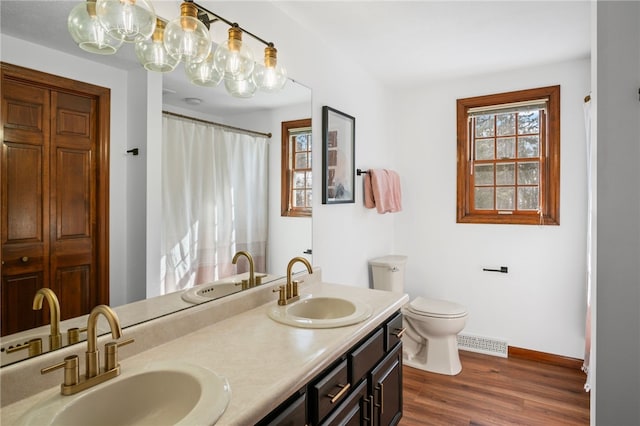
(232, 58)
(187, 39)
(127, 20)
(203, 73)
(152, 54)
(240, 88)
(269, 79)
(86, 31)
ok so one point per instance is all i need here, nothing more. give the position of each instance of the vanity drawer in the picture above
(292, 413)
(393, 331)
(365, 356)
(328, 392)
(352, 412)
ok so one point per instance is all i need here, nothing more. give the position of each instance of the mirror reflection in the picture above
(152, 270)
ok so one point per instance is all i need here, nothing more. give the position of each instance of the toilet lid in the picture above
(436, 308)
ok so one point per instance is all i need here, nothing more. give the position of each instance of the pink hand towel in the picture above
(387, 194)
(369, 202)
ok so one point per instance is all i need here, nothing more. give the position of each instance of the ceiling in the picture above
(406, 42)
(401, 43)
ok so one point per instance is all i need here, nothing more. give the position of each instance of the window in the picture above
(296, 168)
(509, 157)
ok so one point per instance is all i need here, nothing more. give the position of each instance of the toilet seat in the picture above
(436, 308)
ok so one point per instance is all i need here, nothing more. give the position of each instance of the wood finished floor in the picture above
(496, 391)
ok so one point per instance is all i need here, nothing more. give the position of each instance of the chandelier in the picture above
(103, 26)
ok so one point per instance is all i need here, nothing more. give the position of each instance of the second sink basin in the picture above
(205, 292)
(164, 394)
(321, 312)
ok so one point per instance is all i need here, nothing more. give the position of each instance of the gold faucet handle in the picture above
(282, 297)
(71, 370)
(259, 279)
(111, 353)
(295, 284)
(73, 334)
(34, 346)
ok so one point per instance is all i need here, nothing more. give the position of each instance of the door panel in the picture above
(17, 300)
(73, 183)
(72, 286)
(25, 243)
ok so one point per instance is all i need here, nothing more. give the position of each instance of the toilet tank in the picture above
(388, 272)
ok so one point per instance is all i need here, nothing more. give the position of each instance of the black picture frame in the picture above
(338, 159)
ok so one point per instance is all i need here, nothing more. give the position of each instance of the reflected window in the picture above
(509, 157)
(296, 168)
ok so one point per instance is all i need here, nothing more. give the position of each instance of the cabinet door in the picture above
(386, 388)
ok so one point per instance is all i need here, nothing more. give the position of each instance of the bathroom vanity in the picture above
(362, 387)
(274, 371)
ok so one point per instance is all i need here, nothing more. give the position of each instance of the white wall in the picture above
(540, 303)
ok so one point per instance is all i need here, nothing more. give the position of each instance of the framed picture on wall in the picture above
(338, 159)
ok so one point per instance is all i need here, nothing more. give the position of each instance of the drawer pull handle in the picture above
(380, 387)
(24, 259)
(399, 332)
(369, 402)
(337, 396)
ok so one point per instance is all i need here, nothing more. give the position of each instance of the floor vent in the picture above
(483, 345)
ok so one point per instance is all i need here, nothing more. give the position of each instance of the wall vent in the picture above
(483, 345)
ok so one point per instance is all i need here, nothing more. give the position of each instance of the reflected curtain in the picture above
(214, 202)
(589, 252)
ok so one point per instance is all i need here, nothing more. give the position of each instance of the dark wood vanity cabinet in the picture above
(362, 387)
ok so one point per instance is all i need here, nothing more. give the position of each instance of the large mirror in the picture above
(34, 33)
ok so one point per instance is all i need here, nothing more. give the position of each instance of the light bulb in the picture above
(152, 54)
(240, 88)
(271, 76)
(233, 59)
(203, 73)
(86, 31)
(186, 38)
(127, 20)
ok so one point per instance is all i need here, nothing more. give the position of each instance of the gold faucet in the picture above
(289, 291)
(252, 278)
(55, 338)
(93, 354)
(72, 383)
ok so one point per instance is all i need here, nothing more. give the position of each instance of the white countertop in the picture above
(264, 361)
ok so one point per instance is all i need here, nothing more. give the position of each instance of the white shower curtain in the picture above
(590, 212)
(214, 201)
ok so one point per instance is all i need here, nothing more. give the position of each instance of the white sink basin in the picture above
(162, 394)
(321, 312)
(204, 292)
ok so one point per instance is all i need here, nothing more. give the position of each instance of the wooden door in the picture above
(54, 196)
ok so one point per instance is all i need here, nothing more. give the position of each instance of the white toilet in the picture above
(429, 342)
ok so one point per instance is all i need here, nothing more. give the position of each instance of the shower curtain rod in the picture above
(224, 126)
